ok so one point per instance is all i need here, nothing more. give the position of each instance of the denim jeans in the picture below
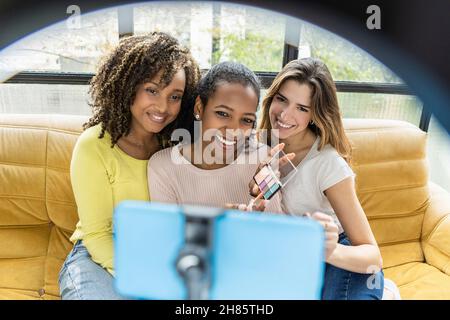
(341, 284)
(81, 278)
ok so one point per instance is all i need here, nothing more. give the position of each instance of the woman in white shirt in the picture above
(301, 110)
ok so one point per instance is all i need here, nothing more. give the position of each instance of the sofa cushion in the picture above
(37, 209)
(38, 212)
(389, 159)
(15, 294)
(420, 281)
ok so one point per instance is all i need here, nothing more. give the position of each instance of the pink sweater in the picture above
(173, 179)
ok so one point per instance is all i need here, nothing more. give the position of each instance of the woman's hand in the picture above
(252, 206)
(331, 232)
(254, 189)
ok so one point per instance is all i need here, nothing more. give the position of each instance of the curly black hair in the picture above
(136, 60)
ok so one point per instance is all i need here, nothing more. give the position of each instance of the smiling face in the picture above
(231, 113)
(154, 107)
(290, 110)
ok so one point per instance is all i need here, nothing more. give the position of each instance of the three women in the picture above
(147, 88)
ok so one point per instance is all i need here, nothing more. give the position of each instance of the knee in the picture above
(346, 285)
(367, 286)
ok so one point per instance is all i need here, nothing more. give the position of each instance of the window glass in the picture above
(218, 32)
(346, 61)
(438, 151)
(380, 106)
(64, 47)
(44, 98)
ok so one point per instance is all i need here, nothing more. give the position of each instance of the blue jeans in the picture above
(341, 284)
(81, 278)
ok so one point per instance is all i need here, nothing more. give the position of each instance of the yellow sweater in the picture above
(102, 177)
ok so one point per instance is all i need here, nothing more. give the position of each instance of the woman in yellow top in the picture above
(142, 91)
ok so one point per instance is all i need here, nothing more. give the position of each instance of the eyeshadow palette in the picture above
(275, 175)
(267, 182)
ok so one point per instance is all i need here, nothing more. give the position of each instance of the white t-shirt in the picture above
(317, 172)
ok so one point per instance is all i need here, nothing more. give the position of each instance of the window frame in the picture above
(73, 78)
(125, 19)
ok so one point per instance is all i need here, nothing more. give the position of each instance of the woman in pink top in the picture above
(214, 169)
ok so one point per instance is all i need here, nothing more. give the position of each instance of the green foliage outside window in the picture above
(256, 51)
(345, 61)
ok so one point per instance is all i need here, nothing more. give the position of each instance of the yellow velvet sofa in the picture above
(409, 215)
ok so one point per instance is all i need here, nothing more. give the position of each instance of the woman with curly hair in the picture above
(142, 92)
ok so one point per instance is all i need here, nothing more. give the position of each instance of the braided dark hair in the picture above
(229, 72)
(136, 60)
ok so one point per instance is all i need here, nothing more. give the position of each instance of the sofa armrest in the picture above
(436, 229)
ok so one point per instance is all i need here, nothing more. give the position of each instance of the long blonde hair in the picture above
(326, 115)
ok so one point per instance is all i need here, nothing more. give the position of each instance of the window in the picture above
(380, 106)
(176, 19)
(60, 48)
(346, 61)
(438, 151)
(217, 32)
(44, 98)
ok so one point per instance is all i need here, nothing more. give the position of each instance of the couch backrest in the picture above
(37, 208)
(392, 184)
(38, 212)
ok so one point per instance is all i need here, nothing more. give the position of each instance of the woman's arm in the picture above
(363, 256)
(94, 199)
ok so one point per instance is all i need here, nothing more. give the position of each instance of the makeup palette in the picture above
(274, 175)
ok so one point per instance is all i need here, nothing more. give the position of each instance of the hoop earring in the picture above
(311, 122)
